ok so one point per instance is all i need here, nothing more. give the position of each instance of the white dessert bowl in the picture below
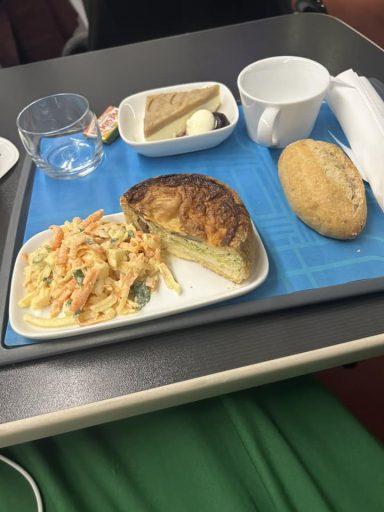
(131, 122)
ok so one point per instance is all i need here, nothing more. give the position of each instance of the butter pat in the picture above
(108, 125)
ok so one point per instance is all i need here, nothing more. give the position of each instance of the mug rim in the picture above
(23, 130)
(279, 57)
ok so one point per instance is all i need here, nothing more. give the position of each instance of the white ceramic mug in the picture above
(281, 98)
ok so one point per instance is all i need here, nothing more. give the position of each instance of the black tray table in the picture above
(190, 356)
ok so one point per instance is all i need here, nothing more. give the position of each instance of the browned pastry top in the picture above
(194, 205)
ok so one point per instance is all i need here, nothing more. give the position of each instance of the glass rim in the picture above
(248, 70)
(45, 98)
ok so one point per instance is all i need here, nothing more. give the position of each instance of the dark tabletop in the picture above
(105, 77)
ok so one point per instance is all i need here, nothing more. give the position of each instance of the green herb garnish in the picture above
(78, 274)
(39, 258)
(142, 293)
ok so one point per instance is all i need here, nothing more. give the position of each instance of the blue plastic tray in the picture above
(300, 259)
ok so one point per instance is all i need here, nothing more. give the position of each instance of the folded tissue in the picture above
(360, 112)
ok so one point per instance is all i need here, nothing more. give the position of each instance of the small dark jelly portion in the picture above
(221, 120)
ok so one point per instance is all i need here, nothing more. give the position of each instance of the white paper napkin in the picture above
(360, 112)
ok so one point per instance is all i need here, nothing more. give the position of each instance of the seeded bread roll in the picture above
(323, 188)
(198, 218)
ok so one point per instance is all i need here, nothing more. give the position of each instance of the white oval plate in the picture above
(200, 287)
(9, 155)
(131, 121)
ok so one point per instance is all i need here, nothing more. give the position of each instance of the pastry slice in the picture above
(198, 218)
(166, 114)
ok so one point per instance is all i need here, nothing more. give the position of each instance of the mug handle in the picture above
(266, 128)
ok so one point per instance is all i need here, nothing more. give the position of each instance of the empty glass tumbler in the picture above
(62, 135)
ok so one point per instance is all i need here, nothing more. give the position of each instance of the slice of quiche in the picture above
(198, 218)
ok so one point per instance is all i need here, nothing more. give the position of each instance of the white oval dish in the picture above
(131, 121)
(200, 287)
(9, 155)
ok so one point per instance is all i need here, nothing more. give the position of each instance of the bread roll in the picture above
(323, 188)
(198, 218)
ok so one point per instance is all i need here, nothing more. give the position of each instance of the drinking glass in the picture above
(62, 135)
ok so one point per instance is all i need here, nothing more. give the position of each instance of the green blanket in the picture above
(288, 446)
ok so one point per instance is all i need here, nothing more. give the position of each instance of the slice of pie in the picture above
(166, 114)
(198, 218)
